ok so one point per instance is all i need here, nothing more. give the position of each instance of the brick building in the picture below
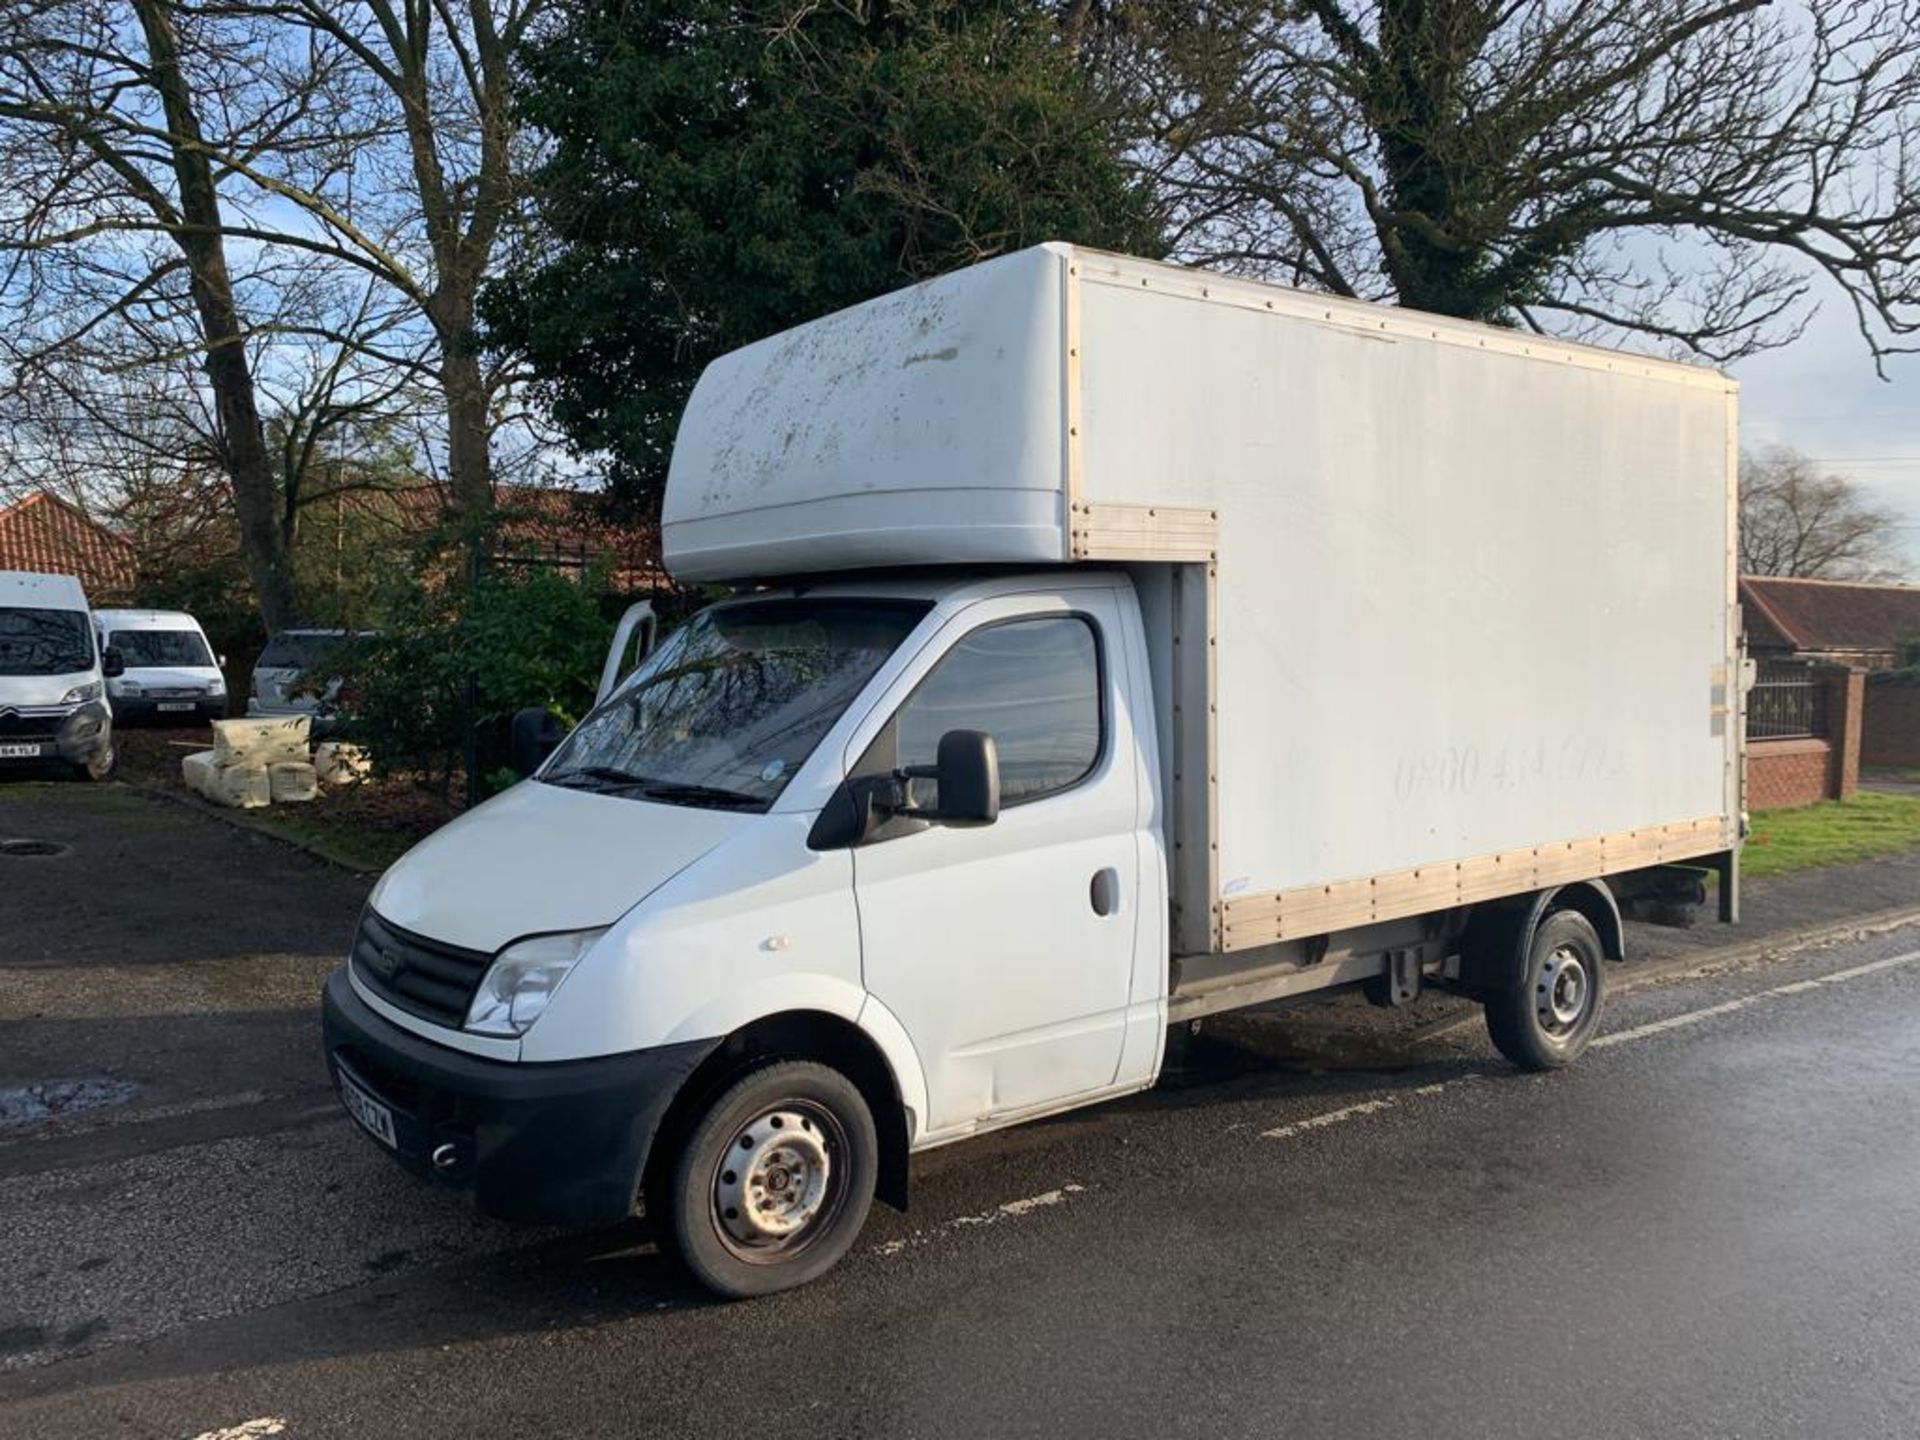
(46, 534)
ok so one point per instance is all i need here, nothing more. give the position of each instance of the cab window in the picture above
(1033, 685)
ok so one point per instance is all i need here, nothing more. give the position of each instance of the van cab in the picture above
(52, 676)
(721, 841)
(170, 671)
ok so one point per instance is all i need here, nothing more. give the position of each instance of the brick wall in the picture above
(1891, 729)
(1785, 773)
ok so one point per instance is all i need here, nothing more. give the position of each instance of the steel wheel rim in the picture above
(780, 1182)
(1563, 994)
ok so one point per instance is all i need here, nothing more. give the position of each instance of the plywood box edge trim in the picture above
(1269, 917)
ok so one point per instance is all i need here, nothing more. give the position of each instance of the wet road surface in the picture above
(1710, 1226)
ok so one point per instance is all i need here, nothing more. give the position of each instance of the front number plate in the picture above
(174, 705)
(19, 752)
(375, 1118)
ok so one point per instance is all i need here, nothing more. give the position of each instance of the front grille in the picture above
(421, 976)
(17, 728)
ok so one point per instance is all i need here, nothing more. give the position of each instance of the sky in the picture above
(1821, 396)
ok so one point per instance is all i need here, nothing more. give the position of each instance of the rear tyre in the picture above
(775, 1180)
(1542, 1017)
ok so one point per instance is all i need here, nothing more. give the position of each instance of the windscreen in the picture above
(732, 704)
(44, 642)
(144, 649)
(293, 650)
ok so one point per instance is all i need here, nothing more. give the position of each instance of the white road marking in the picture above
(1012, 1210)
(1332, 1117)
(1795, 987)
(1618, 1037)
(246, 1429)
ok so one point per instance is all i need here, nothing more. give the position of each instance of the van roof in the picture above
(32, 590)
(145, 619)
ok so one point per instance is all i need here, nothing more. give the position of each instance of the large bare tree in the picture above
(426, 212)
(305, 195)
(114, 228)
(1801, 522)
(1685, 169)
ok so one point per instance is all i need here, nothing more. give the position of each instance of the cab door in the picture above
(1007, 950)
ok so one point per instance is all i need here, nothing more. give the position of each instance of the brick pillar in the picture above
(1846, 707)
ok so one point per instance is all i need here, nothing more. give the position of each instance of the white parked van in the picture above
(52, 676)
(1112, 645)
(170, 671)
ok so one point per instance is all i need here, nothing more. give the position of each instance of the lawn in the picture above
(1831, 833)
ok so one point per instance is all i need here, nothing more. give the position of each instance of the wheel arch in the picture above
(1499, 932)
(815, 1035)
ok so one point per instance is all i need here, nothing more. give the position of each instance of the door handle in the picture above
(1104, 892)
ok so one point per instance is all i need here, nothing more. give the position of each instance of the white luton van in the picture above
(1111, 645)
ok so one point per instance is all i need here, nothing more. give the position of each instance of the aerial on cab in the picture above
(53, 676)
(1110, 645)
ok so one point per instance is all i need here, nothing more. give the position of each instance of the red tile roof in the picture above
(1829, 616)
(45, 534)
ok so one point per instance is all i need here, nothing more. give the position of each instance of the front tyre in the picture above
(98, 768)
(1542, 1017)
(775, 1180)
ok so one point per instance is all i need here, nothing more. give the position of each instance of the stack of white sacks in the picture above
(266, 762)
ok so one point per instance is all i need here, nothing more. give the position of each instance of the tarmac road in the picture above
(1709, 1227)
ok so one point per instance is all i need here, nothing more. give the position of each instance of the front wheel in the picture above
(775, 1181)
(97, 768)
(1543, 1017)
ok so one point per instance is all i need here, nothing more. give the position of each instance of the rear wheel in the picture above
(775, 1180)
(1544, 1015)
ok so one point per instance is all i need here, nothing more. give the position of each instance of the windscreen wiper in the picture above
(670, 791)
(599, 777)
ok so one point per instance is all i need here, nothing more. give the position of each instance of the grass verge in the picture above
(1833, 832)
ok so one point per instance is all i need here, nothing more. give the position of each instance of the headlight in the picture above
(216, 686)
(80, 694)
(522, 980)
(126, 688)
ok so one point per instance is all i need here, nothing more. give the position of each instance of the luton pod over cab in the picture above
(1110, 645)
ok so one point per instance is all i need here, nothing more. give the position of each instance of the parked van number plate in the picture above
(174, 705)
(375, 1117)
(19, 752)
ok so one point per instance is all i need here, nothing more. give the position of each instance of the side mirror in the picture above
(536, 733)
(112, 664)
(967, 772)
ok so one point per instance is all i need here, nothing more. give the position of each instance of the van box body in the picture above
(1468, 595)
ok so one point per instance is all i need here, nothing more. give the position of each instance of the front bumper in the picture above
(79, 735)
(178, 709)
(561, 1143)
